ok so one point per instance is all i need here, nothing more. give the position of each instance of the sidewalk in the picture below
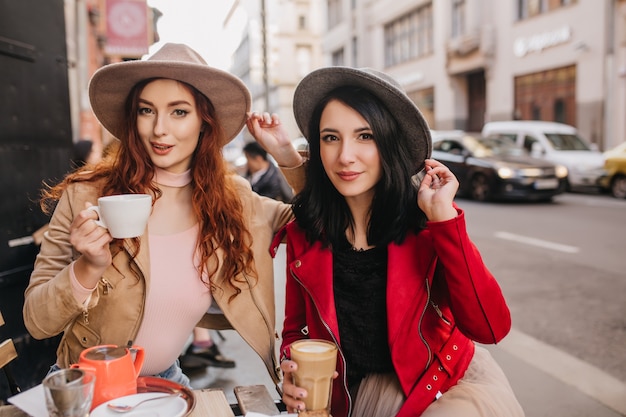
(543, 395)
(549, 382)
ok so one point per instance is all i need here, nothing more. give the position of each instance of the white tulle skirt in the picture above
(484, 391)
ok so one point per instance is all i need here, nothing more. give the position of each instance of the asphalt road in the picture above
(562, 267)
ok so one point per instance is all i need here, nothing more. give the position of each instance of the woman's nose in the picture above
(160, 126)
(346, 155)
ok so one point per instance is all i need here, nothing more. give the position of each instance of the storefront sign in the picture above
(537, 43)
(127, 28)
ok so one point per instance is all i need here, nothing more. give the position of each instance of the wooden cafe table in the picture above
(209, 403)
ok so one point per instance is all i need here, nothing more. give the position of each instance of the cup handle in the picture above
(99, 222)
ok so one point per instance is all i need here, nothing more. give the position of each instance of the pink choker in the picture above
(169, 179)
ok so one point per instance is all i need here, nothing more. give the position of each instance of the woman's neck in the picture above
(170, 179)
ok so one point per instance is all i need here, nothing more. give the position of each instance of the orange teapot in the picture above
(116, 369)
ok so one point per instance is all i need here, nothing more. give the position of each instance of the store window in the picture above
(547, 95)
(410, 36)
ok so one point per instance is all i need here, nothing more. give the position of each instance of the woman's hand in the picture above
(272, 136)
(292, 395)
(92, 241)
(437, 191)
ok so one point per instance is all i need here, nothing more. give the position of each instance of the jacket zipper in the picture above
(345, 377)
(419, 329)
(86, 310)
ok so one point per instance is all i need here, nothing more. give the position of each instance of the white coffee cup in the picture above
(124, 215)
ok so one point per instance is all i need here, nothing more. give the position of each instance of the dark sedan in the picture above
(494, 168)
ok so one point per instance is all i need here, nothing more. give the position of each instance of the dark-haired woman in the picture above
(381, 263)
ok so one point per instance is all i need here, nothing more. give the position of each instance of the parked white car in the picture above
(558, 143)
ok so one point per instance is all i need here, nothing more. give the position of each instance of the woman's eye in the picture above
(144, 110)
(179, 112)
(329, 138)
(367, 136)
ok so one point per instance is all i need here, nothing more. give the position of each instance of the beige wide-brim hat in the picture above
(110, 85)
(317, 84)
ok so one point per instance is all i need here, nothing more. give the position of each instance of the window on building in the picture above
(303, 60)
(559, 111)
(424, 99)
(355, 51)
(458, 18)
(334, 13)
(337, 58)
(531, 8)
(302, 22)
(535, 112)
(410, 36)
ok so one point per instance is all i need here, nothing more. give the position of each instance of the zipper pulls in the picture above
(106, 285)
(86, 310)
(439, 313)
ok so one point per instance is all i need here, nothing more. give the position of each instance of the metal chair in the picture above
(7, 354)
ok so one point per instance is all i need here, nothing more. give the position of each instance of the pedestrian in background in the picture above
(265, 178)
(172, 114)
(381, 264)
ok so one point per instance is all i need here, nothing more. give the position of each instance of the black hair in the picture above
(254, 149)
(322, 212)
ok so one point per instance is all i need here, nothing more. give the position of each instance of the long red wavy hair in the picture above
(127, 168)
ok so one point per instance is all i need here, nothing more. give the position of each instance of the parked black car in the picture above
(494, 168)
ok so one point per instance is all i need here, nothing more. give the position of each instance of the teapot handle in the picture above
(139, 354)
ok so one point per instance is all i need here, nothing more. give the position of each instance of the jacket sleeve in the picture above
(49, 302)
(476, 299)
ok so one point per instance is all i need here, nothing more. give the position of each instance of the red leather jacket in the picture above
(440, 298)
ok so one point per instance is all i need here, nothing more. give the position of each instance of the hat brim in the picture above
(111, 84)
(317, 84)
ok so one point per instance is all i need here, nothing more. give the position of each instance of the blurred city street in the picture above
(547, 380)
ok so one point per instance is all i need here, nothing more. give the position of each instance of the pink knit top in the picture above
(176, 298)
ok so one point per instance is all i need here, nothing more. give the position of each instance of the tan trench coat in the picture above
(114, 312)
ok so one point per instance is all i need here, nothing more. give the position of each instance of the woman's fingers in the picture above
(292, 395)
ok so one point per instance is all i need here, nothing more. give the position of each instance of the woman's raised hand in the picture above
(272, 136)
(436, 192)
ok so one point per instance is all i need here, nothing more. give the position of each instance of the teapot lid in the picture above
(106, 353)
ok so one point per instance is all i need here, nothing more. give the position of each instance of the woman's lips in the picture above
(161, 148)
(348, 175)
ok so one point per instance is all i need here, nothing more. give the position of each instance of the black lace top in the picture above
(360, 280)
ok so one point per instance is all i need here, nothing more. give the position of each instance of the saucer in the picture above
(167, 407)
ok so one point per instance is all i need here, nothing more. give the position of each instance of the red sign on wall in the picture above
(127, 28)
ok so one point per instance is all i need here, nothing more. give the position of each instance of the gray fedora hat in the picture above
(317, 84)
(110, 85)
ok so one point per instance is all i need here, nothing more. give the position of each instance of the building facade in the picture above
(466, 62)
(280, 45)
